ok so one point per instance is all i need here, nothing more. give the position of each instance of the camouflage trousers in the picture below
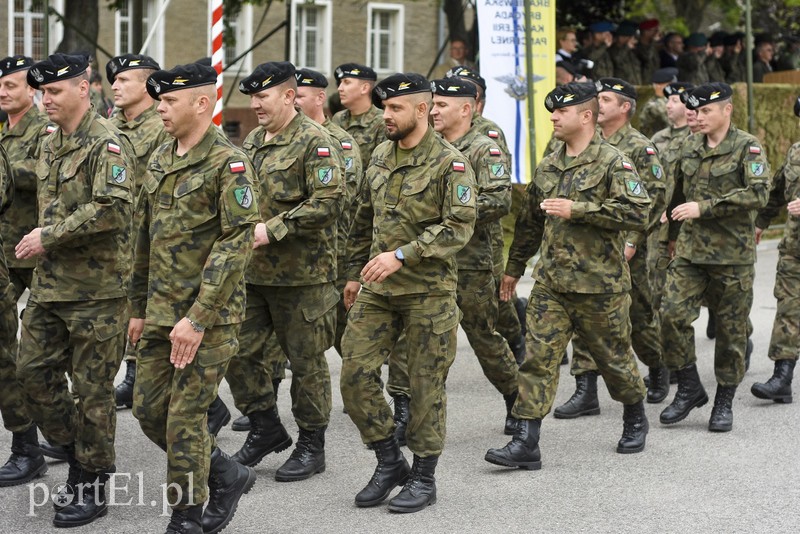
(12, 405)
(375, 322)
(302, 319)
(645, 327)
(171, 405)
(785, 340)
(729, 288)
(601, 320)
(658, 261)
(84, 339)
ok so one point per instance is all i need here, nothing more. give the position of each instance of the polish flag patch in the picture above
(51, 128)
(494, 151)
(650, 151)
(347, 146)
(323, 151)
(755, 150)
(627, 166)
(113, 148)
(493, 134)
(236, 166)
(459, 166)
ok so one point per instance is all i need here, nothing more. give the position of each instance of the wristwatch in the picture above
(399, 255)
(197, 327)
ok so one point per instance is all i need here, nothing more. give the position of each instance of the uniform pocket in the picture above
(285, 182)
(322, 305)
(217, 353)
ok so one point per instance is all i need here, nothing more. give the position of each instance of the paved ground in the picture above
(687, 480)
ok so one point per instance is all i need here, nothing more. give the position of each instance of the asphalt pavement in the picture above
(687, 480)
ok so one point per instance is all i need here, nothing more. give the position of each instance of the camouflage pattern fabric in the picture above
(692, 68)
(734, 66)
(653, 116)
(367, 129)
(626, 64)
(146, 133)
(714, 68)
(648, 57)
(603, 64)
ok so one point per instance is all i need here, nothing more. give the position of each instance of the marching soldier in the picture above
(360, 118)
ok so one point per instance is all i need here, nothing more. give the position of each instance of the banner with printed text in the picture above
(502, 65)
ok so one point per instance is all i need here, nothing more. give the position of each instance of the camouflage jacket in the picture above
(194, 235)
(603, 64)
(648, 57)
(692, 68)
(425, 207)
(669, 143)
(7, 299)
(301, 178)
(491, 130)
(716, 73)
(22, 146)
(493, 200)
(734, 67)
(146, 133)
(730, 182)
(583, 254)
(653, 116)
(640, 150)
(626, 64)
(367, 129)
(85, 211)
(785, 188)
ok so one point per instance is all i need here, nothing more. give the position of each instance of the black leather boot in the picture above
(88, 502)
(187, 521)
(419, 490)
(634, 429)
(521, 307)
(227, 482)
(66, 492)
(658, 386)
(266, 435)
(124, 392)
(511, 421)
(565, 358)
(218, 416)
(722, 414)
(523, 449)
(518, 349)
(748, 351)
(242, 424)
(26, 461)
(56, 452)
(711, 327)
(779, 386)
(402, 412)
(307, 458)
(392, 470)
(691, 394)
(583, 401)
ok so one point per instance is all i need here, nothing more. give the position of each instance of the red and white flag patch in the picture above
(627, 166)
(493, 134)
(347, 145)
(494, 151)
(323, 151)
(51, 128)
(236, 166)
(459, 166)
(113, 148)
(650, 151)
(755, 150)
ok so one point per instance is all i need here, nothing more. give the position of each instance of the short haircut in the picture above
(592, 105)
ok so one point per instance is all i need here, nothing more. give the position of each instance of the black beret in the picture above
(731, 39)
(399, 84)
(678, 88)
(569, 94)
(454, 87)
(696, 39)
(627, 28)
(354, 70)
(180, 77)
(616, 85)
(717, 38)
(265, 76)
(466, 72)
(797, 106)
(129, 62)
(204, 61)
(13, 64)
(310, 78)
(708, 93)
(56, 68)
(665, 75)
(569, 67)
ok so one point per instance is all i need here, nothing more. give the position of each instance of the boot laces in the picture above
(177, 521)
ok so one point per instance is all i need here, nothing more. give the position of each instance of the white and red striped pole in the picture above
(217, 55)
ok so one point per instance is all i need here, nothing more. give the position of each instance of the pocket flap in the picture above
(192, 184)
(446, 321)
(322, 305)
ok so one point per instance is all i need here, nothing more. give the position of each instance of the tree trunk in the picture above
(80, 26)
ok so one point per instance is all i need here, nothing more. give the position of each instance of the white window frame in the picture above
(55, 29)
(155, 48)
(324, 41)
(398, 42)
(243, 27)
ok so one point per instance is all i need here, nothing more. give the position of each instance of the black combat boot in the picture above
(392, 471)
(187, 521)
(518, 349)
(266, 435)
(779, 387)
(722, 414)
(419, 490)
(565, 358)
(584, 401)
(748, 351)
(218, 416)
(55, 452)
(523, 449)
(307, 458)
(511, 421)
(690, 395)
(711, 327)
(26, 461)
(658, 385)
(521, 307)
(227, 482)
(66, 492)
(88, 501)
(124, 392)
(634, 429)
(402, 412)
(242, 424)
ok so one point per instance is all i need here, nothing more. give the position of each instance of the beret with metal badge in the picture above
(129, 62)
(56, 68)
(708, 93)
(678, 88)
(466, 72)
(14, 64)
(180, 77)
(616, 85)
(569, 94)
(354, 70)
(310, 78)
(454, 87)
(267, 75)
(400, 84)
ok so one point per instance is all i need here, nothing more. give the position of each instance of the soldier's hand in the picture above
(630, 252)
(508, 285)
(185, 342)
(351, 290)
(558, 207)
(759, 232)
(664, 219)
(260, 235)
(30, 245)
(794, 207)
(689, 210)
(135, 328)
(381, 267)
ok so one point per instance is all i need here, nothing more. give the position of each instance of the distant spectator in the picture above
(105, 104)
(790, 55)
(673, 48)
(691, 64)
(762, 60)
(626, 62)
(567, 44)
(733, 60)
(598, 51)
(714, 60)
(646, 48)
(567, 72)
(458, 57)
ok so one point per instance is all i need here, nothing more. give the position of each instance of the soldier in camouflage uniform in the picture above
(20, 140)
(733, 60)
(722, 179)
(362, 120)
(714, 67)
(196, 211)
(692, 63)
(291, 279)
(626, 63)
(580, 201)
(783, 345)
(75, 318)
(653, 116)
(417, 212)
(598, 52)
(647, 47)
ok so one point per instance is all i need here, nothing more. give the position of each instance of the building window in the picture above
(385, 37)
(26, 24)
(124, 36)
(311, 35)
(242, 28)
